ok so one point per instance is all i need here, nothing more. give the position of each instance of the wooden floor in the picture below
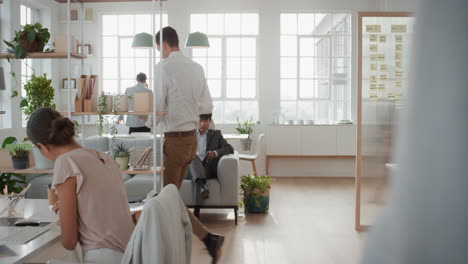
(311, 220)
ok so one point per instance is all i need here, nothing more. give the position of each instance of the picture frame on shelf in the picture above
(73, 15)
(65, 83)
(84, 49)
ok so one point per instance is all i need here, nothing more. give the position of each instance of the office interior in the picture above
(323, 82)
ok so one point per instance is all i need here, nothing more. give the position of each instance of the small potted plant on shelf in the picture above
(39, 93)
(256, 193)
(31, 38)
(20, 158)
(12, 180)
(121, 155)
(246, 127)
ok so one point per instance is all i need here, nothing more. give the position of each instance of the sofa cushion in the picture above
(139, 186)
(96, 142)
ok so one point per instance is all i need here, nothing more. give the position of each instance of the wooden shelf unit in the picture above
(51, 171)
(112, 113)
(44, 55)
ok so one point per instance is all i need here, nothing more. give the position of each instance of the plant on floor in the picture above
(39, 93)
(11, 179)
(256, 192)
(30, 38)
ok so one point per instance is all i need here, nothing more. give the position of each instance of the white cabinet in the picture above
(318, 140)
(346, 140)
(313, 140)
(283, 140)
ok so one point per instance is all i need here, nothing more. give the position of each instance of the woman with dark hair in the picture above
(93, 203)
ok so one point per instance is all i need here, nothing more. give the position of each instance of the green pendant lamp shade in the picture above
(197, 40)
(142, 41)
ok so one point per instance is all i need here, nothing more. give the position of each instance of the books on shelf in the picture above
(87, 94)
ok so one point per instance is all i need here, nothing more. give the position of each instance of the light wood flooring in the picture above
(311, 220)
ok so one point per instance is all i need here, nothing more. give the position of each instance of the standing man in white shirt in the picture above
(137, 123)
(184, 95)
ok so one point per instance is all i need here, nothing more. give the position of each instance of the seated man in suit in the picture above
(211, 147)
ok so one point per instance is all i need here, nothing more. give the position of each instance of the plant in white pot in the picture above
(246, 127)
(121, 155)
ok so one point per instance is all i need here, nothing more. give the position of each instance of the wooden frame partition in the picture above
(389, 100)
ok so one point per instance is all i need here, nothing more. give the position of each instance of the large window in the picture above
(120, 63)
(230, 63)
(316, 66)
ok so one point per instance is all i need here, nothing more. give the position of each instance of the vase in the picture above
(246, 144)
(257, 202)
(20, 163)
(123, 162)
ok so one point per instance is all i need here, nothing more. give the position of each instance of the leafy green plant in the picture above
(121, 151)
(246, 127)
(254, 185)
(19, 153)
(11, 179)
(39, 93)
(31, 37)
(102, 110)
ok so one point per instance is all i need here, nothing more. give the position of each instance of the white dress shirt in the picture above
(132, 120)
(201, 148)
(184, 93)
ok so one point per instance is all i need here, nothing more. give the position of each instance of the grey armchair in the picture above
(224, 191)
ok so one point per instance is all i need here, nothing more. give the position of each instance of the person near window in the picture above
(93, 203)
(137, 123)
(211, 147)
(184, 96)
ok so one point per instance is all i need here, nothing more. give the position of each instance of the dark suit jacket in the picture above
(215, 142)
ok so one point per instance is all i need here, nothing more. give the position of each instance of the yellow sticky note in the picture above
(398, 38)
(373, 37)
(383, 67)
(373, 86)
(383, 77)
(373, 28)
(381, 57)
(398, 84)
(398, 56)
(373, 47)
(382, 38)
(398, 74)
(398, 28)
(373, 66)
(381, 86)
(398, 64)
(373, 78)
(391, 96)
(398, 47)
(374, 57)
(373, 97)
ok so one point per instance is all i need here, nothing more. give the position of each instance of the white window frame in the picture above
(223, 98)
(332, 96)
(120, 89)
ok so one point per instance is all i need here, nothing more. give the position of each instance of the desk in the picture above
(37, 209)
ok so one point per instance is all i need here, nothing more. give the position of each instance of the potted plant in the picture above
(121, 155)
(20, 158)
(246, 128)
(104, 107)
(31, 38)
(12, 180)
(256, 193)
(39, 93)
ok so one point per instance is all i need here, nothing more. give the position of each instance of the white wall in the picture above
(268, 78)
